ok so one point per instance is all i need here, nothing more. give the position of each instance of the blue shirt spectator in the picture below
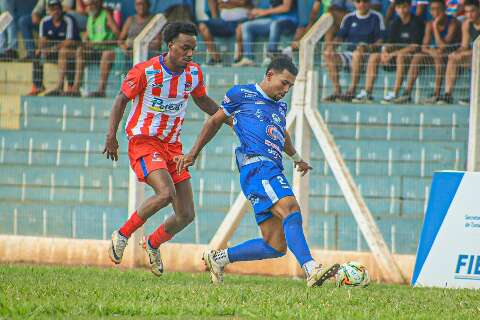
(66, 30)
(356, 29)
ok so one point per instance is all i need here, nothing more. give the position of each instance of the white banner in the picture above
(449, 249)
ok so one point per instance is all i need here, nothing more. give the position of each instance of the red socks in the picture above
(159, 236)
(131, 225)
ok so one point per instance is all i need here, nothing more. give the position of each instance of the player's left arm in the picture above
(301, 165)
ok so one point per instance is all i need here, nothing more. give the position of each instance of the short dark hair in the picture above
(173, 29)
(471, 3)
(282, 62)
(402, 2)
(442, 2)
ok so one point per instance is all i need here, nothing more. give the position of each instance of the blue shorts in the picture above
(221, 28)
(263, 184)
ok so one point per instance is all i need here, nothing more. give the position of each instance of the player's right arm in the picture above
(210, 128)
(230, 104)
(133, 85)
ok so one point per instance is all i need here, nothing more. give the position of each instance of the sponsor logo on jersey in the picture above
(276, 118)
(272, 145)
(188, 86)
(259, 102)
(253, 199)
(259, 114)
(153, 72)
(159, 106)
(274, 133)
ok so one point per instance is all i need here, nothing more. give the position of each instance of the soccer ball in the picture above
(352, 274)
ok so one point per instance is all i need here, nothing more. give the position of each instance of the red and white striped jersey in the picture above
(160, 98)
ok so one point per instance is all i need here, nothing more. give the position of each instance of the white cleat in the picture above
(156, 264)
(117, 247)
(320, 275)
(216, 270)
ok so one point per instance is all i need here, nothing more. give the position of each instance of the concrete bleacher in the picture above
(56, 182)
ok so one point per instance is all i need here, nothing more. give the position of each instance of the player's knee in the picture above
(164, 196)
(186, 218)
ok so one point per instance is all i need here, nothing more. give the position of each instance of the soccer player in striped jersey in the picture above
(159, 88)
(259, 120)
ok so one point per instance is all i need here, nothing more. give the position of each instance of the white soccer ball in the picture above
(352, 274)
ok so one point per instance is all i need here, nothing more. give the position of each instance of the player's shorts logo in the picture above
(156, 157)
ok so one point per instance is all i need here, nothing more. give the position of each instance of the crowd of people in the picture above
(401, 36)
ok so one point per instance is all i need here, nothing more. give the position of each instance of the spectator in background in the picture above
(418, 8)
(58, 37)
(405, 36)
(454, 8)
(226, 15)
(8, 38)
(29, 23)
(134, 25)
(280, 18)
(302, 30)
(441, 35)
(362, 31)
(338, 9)
(99, 43)
(461, 59)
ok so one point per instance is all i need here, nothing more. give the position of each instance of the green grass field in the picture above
(85, 292)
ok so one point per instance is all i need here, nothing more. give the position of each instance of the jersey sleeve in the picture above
(344, 28)
(134, 83)
(200, 89)
(231, 101)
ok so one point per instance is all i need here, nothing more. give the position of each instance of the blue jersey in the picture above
(258, 121)
(356, 29)
(66, 30)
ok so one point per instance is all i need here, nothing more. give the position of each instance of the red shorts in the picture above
(148, 154)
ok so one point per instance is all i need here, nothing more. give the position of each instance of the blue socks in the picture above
(258, 249)
(255, 249)
(292, 227)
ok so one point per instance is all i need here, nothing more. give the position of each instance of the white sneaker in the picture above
(288, 51)
(363, 97)
(389, 97)
(266, 62)
(216, 270)
(244, 62)
(117, 247)
(320, 275)
(156, 264)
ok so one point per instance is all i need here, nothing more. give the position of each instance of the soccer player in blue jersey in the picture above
(259, 122)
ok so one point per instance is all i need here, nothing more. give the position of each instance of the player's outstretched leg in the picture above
(254, 249)
(162, 184)
(288, 209)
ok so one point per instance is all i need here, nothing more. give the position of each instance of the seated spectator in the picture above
(29, 23)
(441, 35)
(134, 25)
(8, 38)
(362, 31)
(418, 8)
(302, 30)
(461, 59)
(405, 36)
(58, 37)
(338, 9)
(99, 43)
(280, 18)
(225, 18)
